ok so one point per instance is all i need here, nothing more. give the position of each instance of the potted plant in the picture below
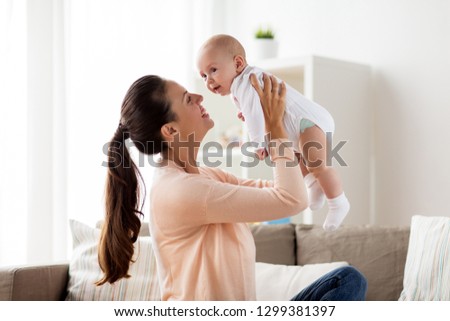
(264, 34)
(265, 44)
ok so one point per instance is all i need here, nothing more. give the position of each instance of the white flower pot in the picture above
(265, 48)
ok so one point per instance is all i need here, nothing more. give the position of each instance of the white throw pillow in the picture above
(276, 282)
(84, 270)
(427, 269)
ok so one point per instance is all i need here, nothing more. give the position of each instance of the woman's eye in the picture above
(214, 69)
(189, 99)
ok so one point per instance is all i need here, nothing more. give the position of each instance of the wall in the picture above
(407, 44)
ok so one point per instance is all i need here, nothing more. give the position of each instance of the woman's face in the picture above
(193, 121)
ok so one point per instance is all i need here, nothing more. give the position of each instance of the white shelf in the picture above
(285, 66)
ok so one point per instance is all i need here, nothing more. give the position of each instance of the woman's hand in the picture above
(273, 104)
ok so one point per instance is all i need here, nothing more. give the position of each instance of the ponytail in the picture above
(122, 222)
(145, 109)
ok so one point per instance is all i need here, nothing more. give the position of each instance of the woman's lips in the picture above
(204, 112)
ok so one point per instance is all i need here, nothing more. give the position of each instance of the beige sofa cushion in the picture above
(32, 283)
(274, 243)
(378, 252)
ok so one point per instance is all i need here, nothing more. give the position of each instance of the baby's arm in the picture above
(254, 119)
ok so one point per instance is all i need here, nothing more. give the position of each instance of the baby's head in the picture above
(220, 59)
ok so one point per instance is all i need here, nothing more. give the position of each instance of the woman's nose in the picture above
(199, 98)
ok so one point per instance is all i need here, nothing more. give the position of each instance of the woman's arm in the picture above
(227, 177)
(258, 183)
(205, 199)
(225, 203)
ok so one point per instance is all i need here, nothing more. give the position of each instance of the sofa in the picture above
(378, 252)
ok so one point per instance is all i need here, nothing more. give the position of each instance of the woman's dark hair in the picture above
(145, 109)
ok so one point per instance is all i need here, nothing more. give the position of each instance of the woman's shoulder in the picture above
(172, 187)
(175, 181)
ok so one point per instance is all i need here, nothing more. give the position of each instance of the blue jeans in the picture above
(342, 284)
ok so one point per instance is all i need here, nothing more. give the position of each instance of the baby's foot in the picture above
(337, 210)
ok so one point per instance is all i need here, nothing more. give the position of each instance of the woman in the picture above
(204, 248)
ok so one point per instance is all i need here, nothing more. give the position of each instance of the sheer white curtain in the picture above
(110, 45)
(13, 131)
(65, 67)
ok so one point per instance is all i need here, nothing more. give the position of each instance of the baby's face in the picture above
(217, 70)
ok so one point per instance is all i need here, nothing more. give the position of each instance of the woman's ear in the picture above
(168, 131)
(239, 63)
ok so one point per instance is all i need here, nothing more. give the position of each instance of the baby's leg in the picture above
(313, 146)
(316, 196)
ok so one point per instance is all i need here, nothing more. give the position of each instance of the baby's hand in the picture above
(240, 116)
(261, 153)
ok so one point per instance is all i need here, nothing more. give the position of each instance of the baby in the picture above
(222, 64)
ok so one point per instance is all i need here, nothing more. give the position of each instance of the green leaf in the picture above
(264, 33)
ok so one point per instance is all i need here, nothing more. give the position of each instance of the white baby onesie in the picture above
(298, 107)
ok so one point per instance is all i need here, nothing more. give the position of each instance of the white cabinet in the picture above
(343, 88)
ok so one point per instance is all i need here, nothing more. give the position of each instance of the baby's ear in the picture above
(239, 63)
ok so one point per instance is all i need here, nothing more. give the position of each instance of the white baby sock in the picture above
(337, 210)
(315, 193)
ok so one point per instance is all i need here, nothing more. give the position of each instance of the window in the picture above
(66, 66)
